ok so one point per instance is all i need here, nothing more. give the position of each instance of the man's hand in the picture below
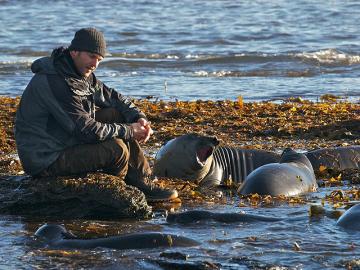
(142, 130)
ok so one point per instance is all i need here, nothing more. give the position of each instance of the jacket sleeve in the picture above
(87, 129)
(106, 97)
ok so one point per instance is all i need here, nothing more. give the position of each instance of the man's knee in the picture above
(120, 149)
(120, 156)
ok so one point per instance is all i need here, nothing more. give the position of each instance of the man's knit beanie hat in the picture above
(90, 40)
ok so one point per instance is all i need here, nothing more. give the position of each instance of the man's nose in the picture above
(95, 63)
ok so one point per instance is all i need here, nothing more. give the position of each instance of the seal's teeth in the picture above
(199, 161)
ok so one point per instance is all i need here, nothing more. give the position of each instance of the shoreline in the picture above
(250, 124)
(297, 123)
(300, 124)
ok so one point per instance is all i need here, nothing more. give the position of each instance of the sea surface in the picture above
(195, 49)
(189, 50)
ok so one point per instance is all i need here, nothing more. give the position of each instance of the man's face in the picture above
(85, 62)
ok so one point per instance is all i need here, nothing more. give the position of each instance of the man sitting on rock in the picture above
(70, 123)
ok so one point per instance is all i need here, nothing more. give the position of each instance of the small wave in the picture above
(257, 73)
(323, 56)
(16, 62)
(326, 57)
(192, 56)
(306, 64)
(152, 56)
(11, 66)
(204, 42)
(245, 58)
(129, 33)
(160, 56)
(330, 56)
(22, 52)
(131, 40)
(172, 57)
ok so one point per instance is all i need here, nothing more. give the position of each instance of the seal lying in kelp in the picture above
(351, 218)
(200, 159)
(194, 216)
(293, 175)
(195, 158)
(339, 158)
(56, 236)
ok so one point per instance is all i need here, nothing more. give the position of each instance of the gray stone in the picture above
(95, 196)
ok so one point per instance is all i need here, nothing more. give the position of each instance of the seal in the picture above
(56, 236)
(200, 159)
(194, 216)
(293, 175)
(350, 219)
(340, 158)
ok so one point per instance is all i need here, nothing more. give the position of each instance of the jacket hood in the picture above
(43, 65)
(58, 62)
(61, 63)
(64, 64)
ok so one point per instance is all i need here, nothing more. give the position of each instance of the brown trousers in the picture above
(114, 156)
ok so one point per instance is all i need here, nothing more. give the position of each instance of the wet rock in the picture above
(252, 263)
(174, 255)
(96, 196)
(204, 265)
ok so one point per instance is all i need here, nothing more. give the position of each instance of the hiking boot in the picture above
(153, 192)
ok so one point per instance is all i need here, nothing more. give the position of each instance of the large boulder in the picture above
(95, 196)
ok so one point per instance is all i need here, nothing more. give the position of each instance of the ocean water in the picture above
(195, 49)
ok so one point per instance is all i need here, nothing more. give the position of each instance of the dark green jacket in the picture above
(57, 111)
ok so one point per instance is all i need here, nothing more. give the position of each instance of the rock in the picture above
(96, 196)
(197, 265)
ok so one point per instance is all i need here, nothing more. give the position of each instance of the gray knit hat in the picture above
(90, 40)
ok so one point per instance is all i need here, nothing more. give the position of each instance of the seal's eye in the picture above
(215, 141)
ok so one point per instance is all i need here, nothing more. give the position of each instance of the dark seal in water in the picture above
(56, 236)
